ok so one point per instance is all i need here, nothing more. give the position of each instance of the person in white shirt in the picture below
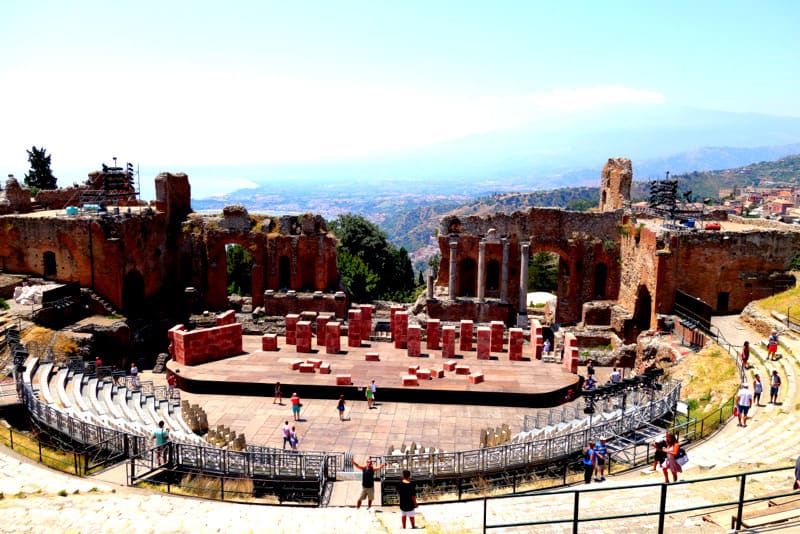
(615, 376)
(743, 401)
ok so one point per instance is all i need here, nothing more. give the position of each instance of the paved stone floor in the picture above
(32, 502)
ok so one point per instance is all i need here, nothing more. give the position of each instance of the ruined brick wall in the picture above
(585, 243)
(56, 199)
(205, 344)
(14, 198)
(615, 184)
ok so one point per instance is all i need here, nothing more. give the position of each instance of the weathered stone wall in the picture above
(14, 198)
(615, 184)
(56, 199)
(206, 344)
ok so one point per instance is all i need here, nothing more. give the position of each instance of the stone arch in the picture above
(492, 275)
(49, 264)
(467, 278)
(600, 279)
(133, 299)
(643, 308)
(284, 273)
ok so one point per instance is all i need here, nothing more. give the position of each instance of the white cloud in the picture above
(186, 119)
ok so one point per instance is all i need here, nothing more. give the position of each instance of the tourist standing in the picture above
(171, 383)
(743, 401)
(278, 395)
(374, 389)
(293, 439)
(546, 347)
(590, 368)
(671, 464)
(772, 346)
(745, 354)
(796, 484)
(758, 387)
(340, 407)
(367, 481)
(295, 406)
(616, 376)
(659, 456)
(370, 396)
(287, 433)
(774, 385)
(600, 453)
(408, 498)
(588, 463)
(160, 436)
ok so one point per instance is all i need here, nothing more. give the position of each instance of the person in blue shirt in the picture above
(600, 453)
(588, 463)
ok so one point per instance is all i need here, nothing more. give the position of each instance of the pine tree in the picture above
(40, 176)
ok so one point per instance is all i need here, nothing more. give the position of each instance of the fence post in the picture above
(741, 503)
(40, 450)
(485, 501)
(222, 488)
(662, 506)
(11, 437)
(575, 510)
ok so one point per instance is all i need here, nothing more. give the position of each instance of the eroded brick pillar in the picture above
(465, 341)
(497, 329)
(537, 340)
(432, 333)
(392, 312)
(304, 336)
(484, 342)
(322, 322)
(401, 330)
(366, 320)
(333, 333)
(448, 342)
(515, 342)
(414, 336)
(291, 328)
(354, 328)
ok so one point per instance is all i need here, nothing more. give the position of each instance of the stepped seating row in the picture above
(103, 403)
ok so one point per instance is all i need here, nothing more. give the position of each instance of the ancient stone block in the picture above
(497, 330)
(410, 380)
(303, 334)
(465, 340)
(484, 342)
(333, 338)
(414, 333)
(269, 342)
(401, 330)
(354, 328)
(515, 343)
(291, 328)
(462, 369)
(432, 341)
(343, 380)
(448, 341)
(476, 378)
(372, 357)
(450, 365)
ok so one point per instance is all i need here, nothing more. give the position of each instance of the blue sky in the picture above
(175, 85)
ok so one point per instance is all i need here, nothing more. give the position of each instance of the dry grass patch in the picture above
(62, 345)
(708, 379)
(788, 301)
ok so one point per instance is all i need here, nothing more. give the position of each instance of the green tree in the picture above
(362, 239)
(359, 280)
(239, 266)
(543, 272)
(40, 176)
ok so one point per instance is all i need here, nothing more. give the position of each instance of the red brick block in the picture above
(366, 320)
(325, 368)
(450, 365)
(484, 342)
(354, 328)
(401, 329)
(316, 362)
(476, 378)
(410, 380)
(269, 342)
(343, 380)
(294, 365)
(392, 313)
(448, 341)
(322, 323)
(303, 333)
(437, 373)
(372, 357)
(414, 343)
(424, 374)
(306, 367)
(537, 344)
(462, 369)
(497, 329)
(515, 343)
(228, 317)
(465, 340)
(291, 328)
(333, 338)
(432, 333)
(412, 369)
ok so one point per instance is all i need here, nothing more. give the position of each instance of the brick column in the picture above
(392, 312)
(523, 278)
(484, 342)
(304, 336)
(515, 342)
(453, 258)
(432, 341)
(291, 328)
(354, 328)
(322, 322)
(481, 271)
(333, 333)
(504, 273)
(537, 340)
(401, 330)
(571, 353)
(465, 342)
(366, 320)
(414, 336)
(448, 342)
(497, 329)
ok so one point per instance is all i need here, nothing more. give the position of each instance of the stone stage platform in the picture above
(526, 383)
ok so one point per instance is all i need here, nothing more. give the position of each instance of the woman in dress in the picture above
(293, 439)
(671, 464)
(340, 407)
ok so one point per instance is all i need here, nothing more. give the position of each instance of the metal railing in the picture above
(736, 502)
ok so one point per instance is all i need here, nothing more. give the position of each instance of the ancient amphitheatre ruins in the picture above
(468, 341)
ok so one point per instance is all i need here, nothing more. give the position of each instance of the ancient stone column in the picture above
(504, 273)
(429, 281)
(523, 277)
(452, 282)
(481, 271)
